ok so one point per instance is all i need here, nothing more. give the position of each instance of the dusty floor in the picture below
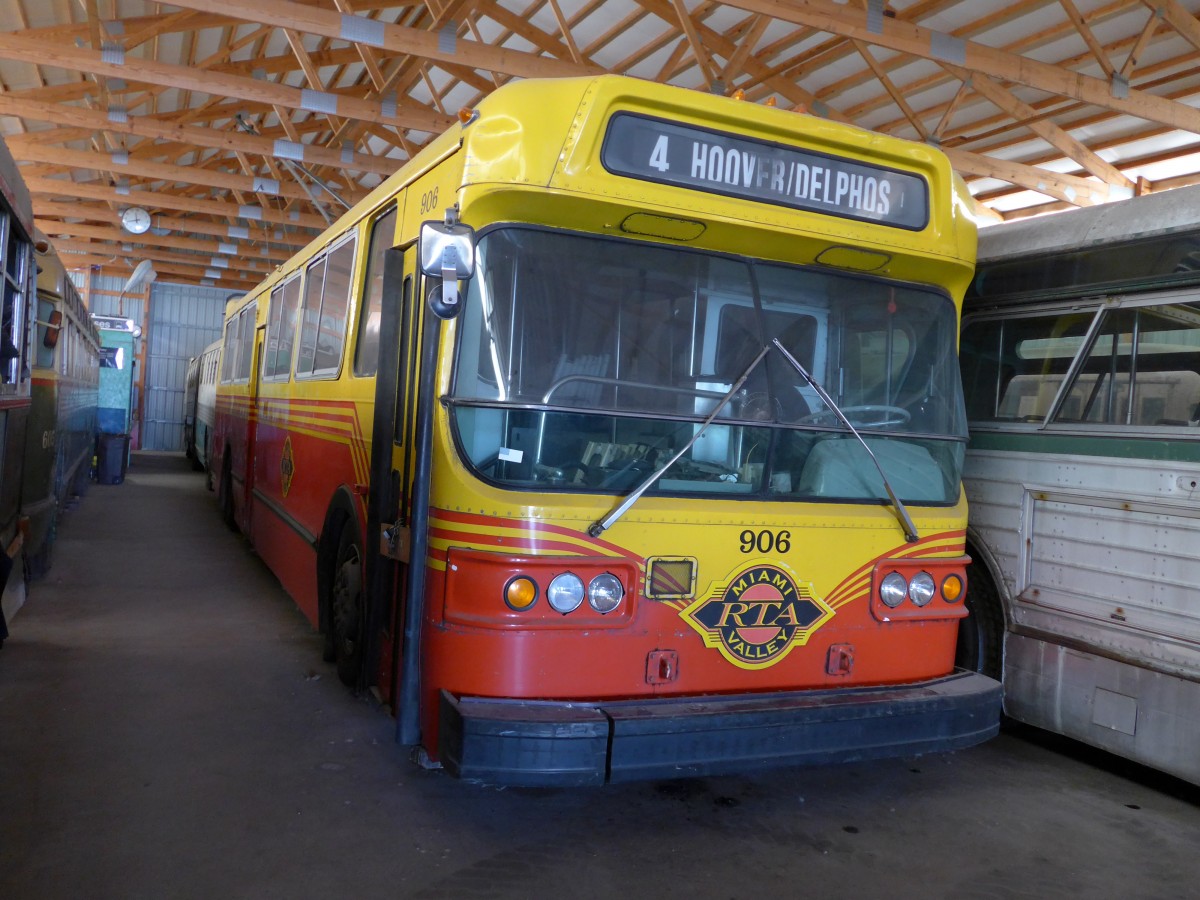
(168, 730)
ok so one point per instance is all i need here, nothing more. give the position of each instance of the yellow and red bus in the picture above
(619, 435)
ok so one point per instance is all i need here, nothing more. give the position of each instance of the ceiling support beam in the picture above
(1068, 188)
(407, 115)
(692, 37)
(1056, 137)
(153, 171)
(110, 253)
(216, 249)
(1088, 36)
(745, 47)
(247, 270)
(258, 243)
(117, 267)
(399, 38)
(851, 21)
(57, 187)
(212, 138)
(897, 95)
(564, 28)
(1179, 18)
(365, 53)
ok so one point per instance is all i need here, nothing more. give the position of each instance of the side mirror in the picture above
(53, 329)
(447, 252)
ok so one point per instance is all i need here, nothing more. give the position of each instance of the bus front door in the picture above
(389, 500)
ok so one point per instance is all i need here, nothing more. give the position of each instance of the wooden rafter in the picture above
(199, 108)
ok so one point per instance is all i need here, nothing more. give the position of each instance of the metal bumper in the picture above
(542, 743)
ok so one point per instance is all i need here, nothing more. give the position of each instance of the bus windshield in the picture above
(584, 362)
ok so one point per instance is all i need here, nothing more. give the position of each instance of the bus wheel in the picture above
(38, 564)
(346, 607)
(225, 496)
(981, 633)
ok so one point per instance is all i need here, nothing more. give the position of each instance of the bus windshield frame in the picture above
(587, 385)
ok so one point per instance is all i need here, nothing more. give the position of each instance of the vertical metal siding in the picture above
(110, 303)
(184, 319)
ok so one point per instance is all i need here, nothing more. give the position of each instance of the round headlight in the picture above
(520, 592)
(921, 589)
(605, 592)
(892, 590)
(565, 592)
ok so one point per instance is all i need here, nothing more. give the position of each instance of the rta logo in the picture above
(758, 616)
(287, 466)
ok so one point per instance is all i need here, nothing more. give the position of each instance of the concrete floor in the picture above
(168, 730)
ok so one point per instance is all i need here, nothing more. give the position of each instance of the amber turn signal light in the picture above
(520, 592)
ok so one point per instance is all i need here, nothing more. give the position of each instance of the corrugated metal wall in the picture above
(184, 319)
(108, 303)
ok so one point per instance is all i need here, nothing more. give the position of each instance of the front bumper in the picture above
(546, 743)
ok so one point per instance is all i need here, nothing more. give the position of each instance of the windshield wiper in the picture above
(906, 522)
(599, 527)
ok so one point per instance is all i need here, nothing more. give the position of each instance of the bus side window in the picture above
(310, 316)
(231, 346)
(45, 348)
(366, 354)
(1166, 373)
(271, 355)
(323, 320)
(1158, 383)
(335, 304)
(981, 372)
(281, 328)
(1035, 353)
(246, 321)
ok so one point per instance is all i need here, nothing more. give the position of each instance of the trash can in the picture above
(112, 455)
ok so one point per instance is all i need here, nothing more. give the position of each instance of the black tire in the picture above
(225, 496)
(37, 565)
(346, 608)
(981, 633)
(80, 481)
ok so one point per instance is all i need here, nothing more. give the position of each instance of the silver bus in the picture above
(1081, 368)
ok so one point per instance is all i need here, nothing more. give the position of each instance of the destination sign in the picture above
(720, 163)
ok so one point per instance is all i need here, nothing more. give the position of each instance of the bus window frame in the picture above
(1099, 309)
(229, 341)
(323, 258)
(277, 375)
(245, 343)
(374, 258)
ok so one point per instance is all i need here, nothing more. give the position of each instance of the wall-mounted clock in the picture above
(135, 220)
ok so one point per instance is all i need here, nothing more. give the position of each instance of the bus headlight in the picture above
(605, 592)
(921, 589)
(565, 592)
(892, 590)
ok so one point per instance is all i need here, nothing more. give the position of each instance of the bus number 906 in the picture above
(766, 541)
(429, 201)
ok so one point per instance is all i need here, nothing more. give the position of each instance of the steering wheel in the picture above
(887, 415)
